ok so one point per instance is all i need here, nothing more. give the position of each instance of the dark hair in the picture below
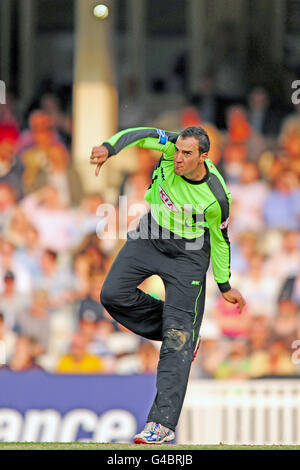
(51, 253)
(200, 134)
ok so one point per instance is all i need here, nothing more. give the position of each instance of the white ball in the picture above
(101, 11)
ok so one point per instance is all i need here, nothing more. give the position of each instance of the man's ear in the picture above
(203, 156)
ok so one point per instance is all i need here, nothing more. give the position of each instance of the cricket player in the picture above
(187, 225)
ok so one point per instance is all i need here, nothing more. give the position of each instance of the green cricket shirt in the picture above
(187, 208)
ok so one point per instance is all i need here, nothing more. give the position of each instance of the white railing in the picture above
(241, 412)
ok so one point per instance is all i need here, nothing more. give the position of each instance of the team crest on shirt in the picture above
(224, 224)
(163, 138)
(167, 200)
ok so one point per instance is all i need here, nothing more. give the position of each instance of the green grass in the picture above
(113, 447)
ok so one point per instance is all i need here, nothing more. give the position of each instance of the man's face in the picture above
(187, 157)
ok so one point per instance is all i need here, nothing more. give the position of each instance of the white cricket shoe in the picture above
(154, 433)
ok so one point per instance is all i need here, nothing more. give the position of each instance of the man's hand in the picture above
(234, 297)
(98, 156)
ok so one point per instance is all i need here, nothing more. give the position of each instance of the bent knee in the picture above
(111, 296)
(107, 295)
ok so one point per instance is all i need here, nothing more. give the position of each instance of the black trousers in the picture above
(176, 321)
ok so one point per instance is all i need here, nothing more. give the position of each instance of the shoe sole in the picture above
(140, 440)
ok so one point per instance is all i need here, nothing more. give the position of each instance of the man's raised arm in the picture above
(145, 137)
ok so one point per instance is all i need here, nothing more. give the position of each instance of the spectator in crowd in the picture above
(9, 125)
(90, 307)
(86, 221)
(40, 133)
(8, 262)
(63, 176)
(291, 289)
(238, 127)
(249, 195)
(47, 214)
(58, 173)
(29, 255)
(259, 333)
(7, 204)
(229, 320)
(12, 304)
(212, 350)
(259, 289)
(99, 341)
(282, 206)
(211, 353)
(82, 271)
(243, 250)
(79, 361)
(11, 167)
(91, 245)
(289, 140)
(96, 332)
(286, 322)
(25, 354)
(7, 341)
(264, 118)
(148, 355)
(236, 151)
(124, 345)
(236, 364)
(134, 185)
(51, 104)
(286, 261)
(275, 361)
(58, 283)
(17, 227)
(35, 321)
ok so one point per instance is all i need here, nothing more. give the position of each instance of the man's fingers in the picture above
(98, 168)
(95, 155)
(235, 297)
(97, 160)
(98, 156)
(241, 303)
(98, 152)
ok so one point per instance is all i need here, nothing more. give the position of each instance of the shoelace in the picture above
(156, 428)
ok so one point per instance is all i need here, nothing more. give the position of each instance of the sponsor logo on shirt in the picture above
(224, 224)
(167, 200)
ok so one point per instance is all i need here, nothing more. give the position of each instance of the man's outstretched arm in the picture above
(217, 218)
(145, 137)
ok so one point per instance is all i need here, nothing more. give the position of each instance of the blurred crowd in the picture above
(53, 262)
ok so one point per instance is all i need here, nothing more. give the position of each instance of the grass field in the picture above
(119, 447)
